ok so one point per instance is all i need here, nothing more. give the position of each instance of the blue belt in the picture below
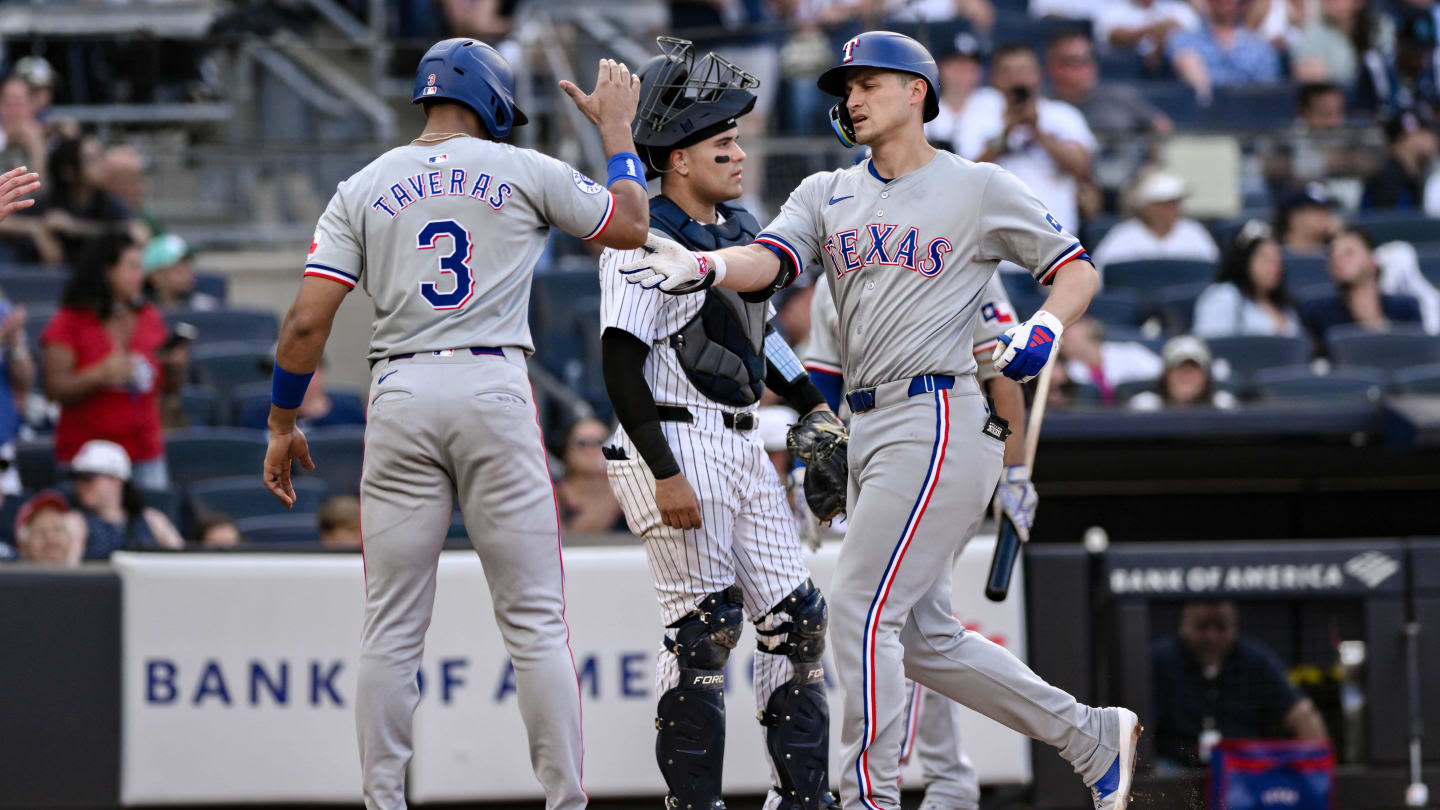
(864, 399)
(495, 350)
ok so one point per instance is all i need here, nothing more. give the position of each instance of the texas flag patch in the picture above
(441, 158)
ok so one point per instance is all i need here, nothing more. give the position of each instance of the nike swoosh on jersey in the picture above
(386, 374)
(834, 200)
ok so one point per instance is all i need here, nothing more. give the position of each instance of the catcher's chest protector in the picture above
(721, 349)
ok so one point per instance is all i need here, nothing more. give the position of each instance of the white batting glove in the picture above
(1016, 498)
(1024, 350)
(670, 267)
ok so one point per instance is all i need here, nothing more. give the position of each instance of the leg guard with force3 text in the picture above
(690, 743)
(796, 718)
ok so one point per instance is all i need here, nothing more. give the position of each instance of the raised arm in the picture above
(611, 108)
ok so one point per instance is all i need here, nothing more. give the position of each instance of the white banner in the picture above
(240, 673)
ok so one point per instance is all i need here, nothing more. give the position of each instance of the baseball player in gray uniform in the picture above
(909, 239)
(931, 722)
(444, 233)
(685, 374)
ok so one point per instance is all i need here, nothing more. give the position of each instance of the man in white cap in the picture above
(113, 508)
(1158, 230)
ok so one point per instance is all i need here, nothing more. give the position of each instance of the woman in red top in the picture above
(100, 359)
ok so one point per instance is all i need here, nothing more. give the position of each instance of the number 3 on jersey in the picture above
(456, 263)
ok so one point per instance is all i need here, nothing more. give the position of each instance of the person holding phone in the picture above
(1044, 142)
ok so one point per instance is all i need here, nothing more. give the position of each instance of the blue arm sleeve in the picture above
(832, 385)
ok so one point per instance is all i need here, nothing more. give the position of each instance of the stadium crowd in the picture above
(134, 397)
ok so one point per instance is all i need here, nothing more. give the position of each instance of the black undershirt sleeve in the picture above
(784, 278)
(622, 359)
(799, 393)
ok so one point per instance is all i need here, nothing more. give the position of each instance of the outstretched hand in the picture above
(14, 185)
(616, 95)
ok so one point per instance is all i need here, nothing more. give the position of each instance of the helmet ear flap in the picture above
(842, 125)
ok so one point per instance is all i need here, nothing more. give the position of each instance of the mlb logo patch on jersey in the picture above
(584, 183)
(441, 158)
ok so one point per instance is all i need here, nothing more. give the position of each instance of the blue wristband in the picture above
(287, 390)
(625, 166)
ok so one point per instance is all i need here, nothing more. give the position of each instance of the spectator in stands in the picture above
(23, 142)
(1319, 146)
(1092, 360)
(46, 531)
(1249, 295)
(216, 530)
(1066, 9)
(124, 177)
(1358, 298)
(1144, 26)
(339, 521)
(17, 374)
(320, 409)
(1307, 220)
(39, 77)
(961, 63)
(1324, 48)
(1409, 80)
(80, 209)
(486, 20)
(1322, 106)
(1158, 230)
(1223, 53)
(1209, 684)
(587, 503)
(1111, 108)
(979, 14)
(1400, 183)
(170, 275)
(1044, 142)
(1187, 380)
(101, 363)
(113, 507)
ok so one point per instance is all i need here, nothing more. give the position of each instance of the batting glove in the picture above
(1025, 349)
(1016, 498)
(668, 266)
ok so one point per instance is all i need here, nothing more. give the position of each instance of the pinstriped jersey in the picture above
(653, 317)
(445, 236)
(823, 350)
(908, 258)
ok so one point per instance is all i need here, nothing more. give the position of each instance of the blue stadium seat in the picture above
(1430, 266)
(241, 496)
(1305, 270)
(1417, 380)
(32, 287)
(222, 325)
(1299, 382)
(338, 454)
(165, 500)
(35, 459)
(287, 528)
(1249, 354)
(1092, 231)
(213, 284)
(223, 366)
(1125, 391)
(554, 300)
(1116, 308)
(1405, 226)
(250, 404)
(203, 453)
(198, 404)
(1399, 347)
(1252, 107)
(1176, 305)
(1148, 275)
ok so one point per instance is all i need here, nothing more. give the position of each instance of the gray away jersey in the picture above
(908, 259)
(445, 236)
(823, 349)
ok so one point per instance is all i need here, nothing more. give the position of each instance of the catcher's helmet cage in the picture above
(684, 99)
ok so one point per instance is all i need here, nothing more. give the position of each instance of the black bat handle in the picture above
(1002, 565)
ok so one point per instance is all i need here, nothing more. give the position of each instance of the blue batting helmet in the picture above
(474, 74)
(886, 50)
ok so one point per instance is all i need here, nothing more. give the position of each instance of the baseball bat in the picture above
(1007, 544)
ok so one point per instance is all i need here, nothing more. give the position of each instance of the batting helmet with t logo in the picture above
(474, 74)
(885, 50)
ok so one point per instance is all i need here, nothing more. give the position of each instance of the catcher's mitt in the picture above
(821, 441)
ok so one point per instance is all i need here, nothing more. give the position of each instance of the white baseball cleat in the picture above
(1112, 791)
